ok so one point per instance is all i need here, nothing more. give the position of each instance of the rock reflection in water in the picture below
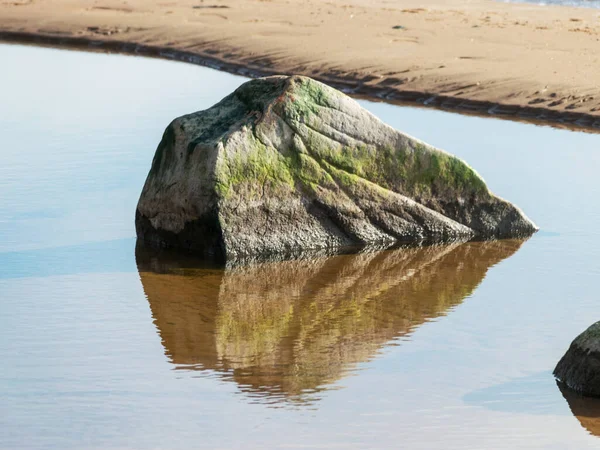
(284, 330)
(585, 409)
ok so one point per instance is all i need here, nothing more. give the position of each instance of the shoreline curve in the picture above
(355, 87)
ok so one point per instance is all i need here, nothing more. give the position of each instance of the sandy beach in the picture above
(521, 60)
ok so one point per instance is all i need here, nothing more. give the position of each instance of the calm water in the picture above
(577, 3)
(107, 347)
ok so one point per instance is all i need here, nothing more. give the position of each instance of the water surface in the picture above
(105, 346)
(576, 3)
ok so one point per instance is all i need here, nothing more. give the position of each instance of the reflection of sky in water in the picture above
(83, 365)
(92, 257)
(532, 394)
(577, 3)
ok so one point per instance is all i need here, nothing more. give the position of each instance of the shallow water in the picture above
(576, 3)
(103, 346)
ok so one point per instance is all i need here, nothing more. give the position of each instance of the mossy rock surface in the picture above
(285, 164)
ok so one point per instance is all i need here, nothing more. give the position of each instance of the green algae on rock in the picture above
(579, 368)
(285, 164)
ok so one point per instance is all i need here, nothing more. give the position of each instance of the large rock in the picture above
(286, 163)
(579, 368)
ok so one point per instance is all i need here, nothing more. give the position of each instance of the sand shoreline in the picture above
(478, 98)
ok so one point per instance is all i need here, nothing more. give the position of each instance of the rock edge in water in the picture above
(285, 164)
(579, 368)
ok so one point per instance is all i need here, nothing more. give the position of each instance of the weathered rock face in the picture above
(579, 368)
(287, 163)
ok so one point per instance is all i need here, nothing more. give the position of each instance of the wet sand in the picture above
(516, 60)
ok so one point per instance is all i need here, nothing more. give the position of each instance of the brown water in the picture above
(107, 346)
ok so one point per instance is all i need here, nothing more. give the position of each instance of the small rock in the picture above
(579, 368)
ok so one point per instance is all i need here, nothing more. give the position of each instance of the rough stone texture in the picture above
(287, 163)
(284, 329)
(579, 368)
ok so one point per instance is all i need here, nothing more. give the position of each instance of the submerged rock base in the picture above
(286, 163)
(579, 368)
